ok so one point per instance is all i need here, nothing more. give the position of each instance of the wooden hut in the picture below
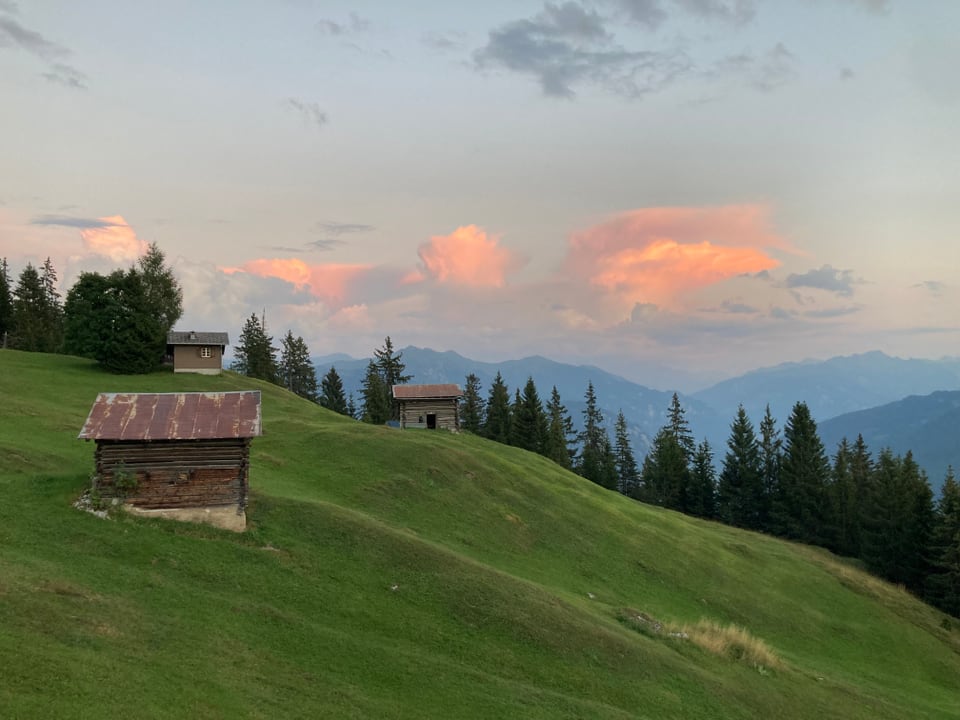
(196, 352)
(185, 455)
(430, 407)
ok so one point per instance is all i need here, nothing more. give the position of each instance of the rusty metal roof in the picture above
(426, 392)
(173, 416)
(192, 337)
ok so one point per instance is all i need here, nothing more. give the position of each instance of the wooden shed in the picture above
(430, 407)
(196, 352)
(185, 455)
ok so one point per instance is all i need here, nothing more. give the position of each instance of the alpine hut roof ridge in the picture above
(192, 337)
(418, 392)
(173, 416)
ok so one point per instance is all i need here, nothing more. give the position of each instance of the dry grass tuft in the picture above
(734, 642)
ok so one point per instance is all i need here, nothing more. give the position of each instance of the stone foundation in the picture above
(225, 517)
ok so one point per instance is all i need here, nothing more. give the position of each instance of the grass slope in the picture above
(410, 574)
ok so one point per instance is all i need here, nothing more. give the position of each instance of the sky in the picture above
(674, 190)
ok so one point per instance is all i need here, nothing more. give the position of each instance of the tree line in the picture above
(121, 320)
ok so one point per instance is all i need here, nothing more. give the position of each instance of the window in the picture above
(205, 352)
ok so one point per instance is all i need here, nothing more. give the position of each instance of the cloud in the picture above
(659, 254)
(467, 257)
(832, 312)
(330, 282)
(934, 287)
(826, 278)
(879, 7)
(737, 308)
(63, 74)
(336, 229)
(354, 24)
(310, 112)
(324, 244)
(74, 222)
(12, 32)
(734, 11)
(443, 41)
(765, 72)
(567, 45)
(114, 239)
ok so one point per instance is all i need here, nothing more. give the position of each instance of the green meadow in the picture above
(416, 574)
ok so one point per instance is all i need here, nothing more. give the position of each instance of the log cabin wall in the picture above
(413, 413)
(177, 473)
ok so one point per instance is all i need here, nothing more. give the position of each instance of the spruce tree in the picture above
(594, 444)
(665, 474)
(295, 370)
(6, 303)
(30, 312)
(352, 410)
(471, 410)
(162, 291)
(331, 393)
(703, 483)
(799, 507)
(376, 402)
(529, 422)
(254, 355)
(771, 457)
(560, 433)
(680, 428)
(496, 425)
(740, 496)
(53, 309)
(844, 503)
(628, 475)
(88, 315)
(391, 367)
(942, 586)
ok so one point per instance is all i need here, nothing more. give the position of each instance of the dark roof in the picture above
(426, 392)
(173, 416)
(193, 337)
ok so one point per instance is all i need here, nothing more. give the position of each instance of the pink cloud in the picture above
(467, 257)
(659, 254)
(115, 240)
(329, 282)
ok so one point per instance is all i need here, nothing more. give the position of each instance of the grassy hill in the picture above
(394, 574)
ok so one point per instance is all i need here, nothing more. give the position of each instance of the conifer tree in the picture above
(514, 411)
(391, 368)
(799, 507)
(943, 583)
(496, 425)
(352, 407)
(560, 433)
(844, 503)
(664, 476)
(377, 403)
(595, 444)
(254, 355)
(703, 483)
(53, 308)
(88, 315)
(529, 421)
(30, 312)
(6, 303)
(628, 475)
(740, 496)
(680, 428)
(771, 457)
(162, 291)
(331, 393)
(471, 411)
(295, 370)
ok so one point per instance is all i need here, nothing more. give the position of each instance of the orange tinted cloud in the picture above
(115, 240)
(658, 254)
(469, 257)
(329, 282)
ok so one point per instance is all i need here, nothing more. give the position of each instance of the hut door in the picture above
(431, 421)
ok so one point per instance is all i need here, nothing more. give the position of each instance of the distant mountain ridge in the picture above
(831, 387)
(929, 425)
